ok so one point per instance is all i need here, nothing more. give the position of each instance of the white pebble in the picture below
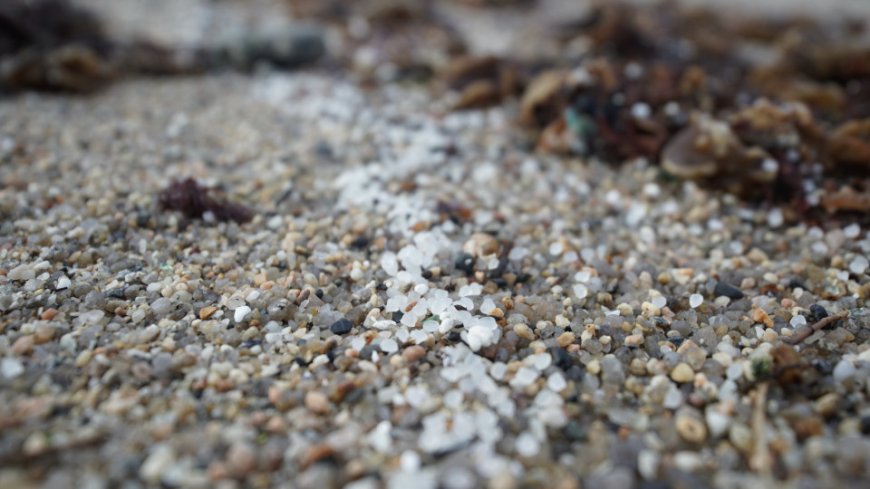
(775, 218)
(844, 370)
(390, 263)
(797, 321)
(524, 377)
(852, 231)
(527, 445)
(651, 189)
(648, 464)
(409, 461)
(659, 302)
(556, 382)
(241, 313)
(858, 265)
(695, 300)
(379, 438)
(11, 368)
(22, 272)
(63, 282)
(157, 463)
(518, 253)
(581, 291)
(498, 370)
(470, 290)
(389, 346)
(716, 422)
(479, 336)
(540, 361)
(641, 110)
(487, 306)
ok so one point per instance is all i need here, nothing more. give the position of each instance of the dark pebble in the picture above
(823, 366)
(360, 242)
(796, 283)
(465, 263)
(366, 352)
(575, 373)
(117, 293)
(397, 316)
(342, 326)
(728, 291)
(575, 431)
(817, 313)
(561, 357)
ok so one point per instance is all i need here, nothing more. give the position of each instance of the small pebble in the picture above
(527, 445)
(11, 368)
(690, 428)
(844, 370)
(316, 402)
(389, 346)
(48, 314)
(682, 373)
(634, 340)
(858, 265)
(797, 321)
(341, 327)
(727, 290)
(241, 313)
(413, 353)
(23, 345)
(565, 339)
(206, 312)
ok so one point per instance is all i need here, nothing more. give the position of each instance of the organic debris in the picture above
(781, 117)
(54, 45)
(197, 202)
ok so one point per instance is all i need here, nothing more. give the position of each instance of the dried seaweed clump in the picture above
(52, 45)
(773, 108)
(198, 202)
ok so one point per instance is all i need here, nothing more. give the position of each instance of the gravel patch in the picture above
(419, 299)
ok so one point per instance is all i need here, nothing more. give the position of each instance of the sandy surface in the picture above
(420, 301)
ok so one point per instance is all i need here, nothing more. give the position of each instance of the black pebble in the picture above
(575, 373)
(795, 283)
(397, 316)
(366, 352)
(728, 291)
(116, 293)
(342, 326)
(561, 357)
(575, 431)
(465, 263)
(817, 313)
(319, 293)
(360, 242)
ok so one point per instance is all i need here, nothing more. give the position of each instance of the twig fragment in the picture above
(806, 331)
(760, 460)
